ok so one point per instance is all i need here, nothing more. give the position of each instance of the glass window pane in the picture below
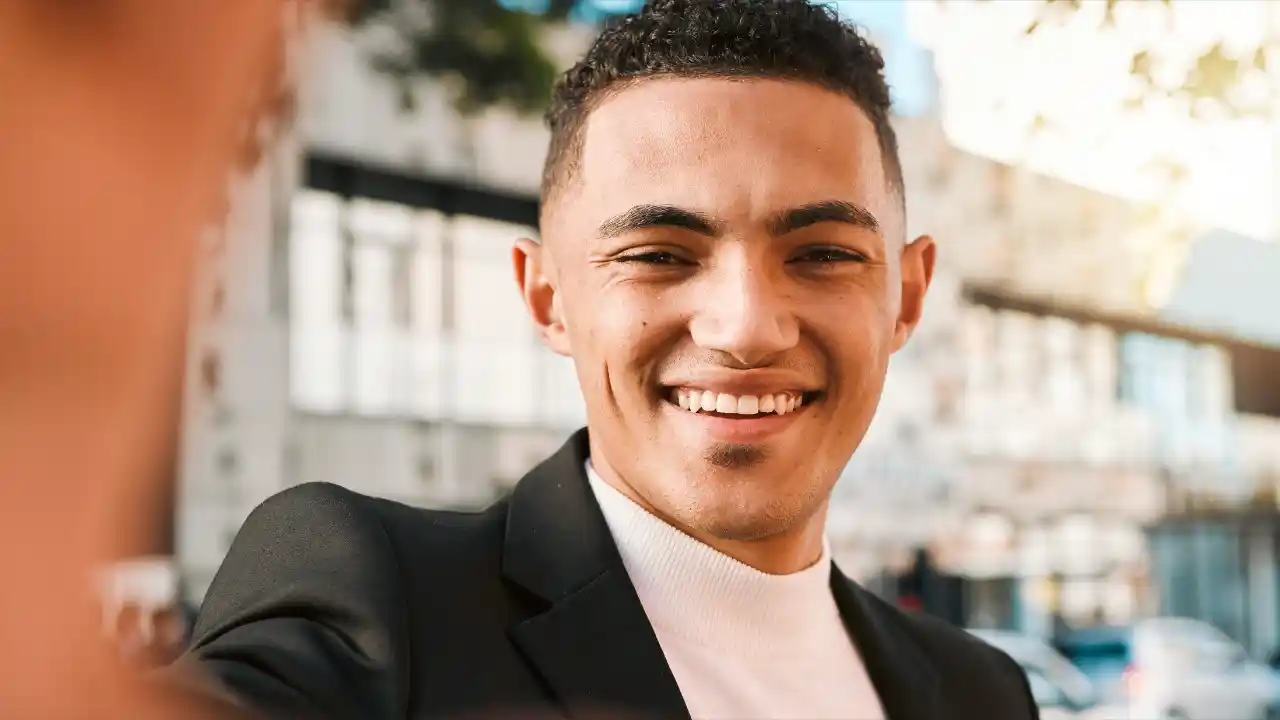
(427, 370)
(487, 304)
(316, 377)
(381, 372)
(395, 355)
(427, 275)
(315, 259)
(317, 336)
(371, 288)
(381, 223)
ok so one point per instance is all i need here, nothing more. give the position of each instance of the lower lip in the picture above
(745, 429)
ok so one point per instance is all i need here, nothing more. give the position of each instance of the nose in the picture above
(744, 312)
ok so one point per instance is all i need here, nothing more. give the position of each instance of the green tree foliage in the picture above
(488, 54)
(1210, 86)
(493, 55)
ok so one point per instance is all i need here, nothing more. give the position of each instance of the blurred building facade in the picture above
(356, 323)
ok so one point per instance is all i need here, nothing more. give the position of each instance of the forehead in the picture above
(737, 148)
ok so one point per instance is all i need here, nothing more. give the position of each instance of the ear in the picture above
(535, 277)
(917, 273)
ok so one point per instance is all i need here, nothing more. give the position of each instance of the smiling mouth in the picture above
(706, 402)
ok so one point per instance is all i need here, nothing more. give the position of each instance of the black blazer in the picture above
(333, 604)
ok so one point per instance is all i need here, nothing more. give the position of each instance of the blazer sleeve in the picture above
(306, 618)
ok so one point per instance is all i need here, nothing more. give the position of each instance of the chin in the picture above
(748, 528)
(746, 509)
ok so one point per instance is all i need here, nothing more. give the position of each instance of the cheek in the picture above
(858, 339)
(620, 328)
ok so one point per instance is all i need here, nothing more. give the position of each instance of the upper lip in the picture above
(744, 382)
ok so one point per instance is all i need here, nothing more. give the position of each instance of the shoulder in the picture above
(316, 507)
(308, 609)
(332, 539)
(325, 509)
(325, 519)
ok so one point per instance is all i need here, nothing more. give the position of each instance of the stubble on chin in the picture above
(731, 513)
(728, 456)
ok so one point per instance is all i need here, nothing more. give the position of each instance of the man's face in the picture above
(727, 271)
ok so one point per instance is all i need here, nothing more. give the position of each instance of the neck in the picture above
(782, 553)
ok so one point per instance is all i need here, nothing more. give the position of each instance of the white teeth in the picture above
(724, 403)
(708, 400)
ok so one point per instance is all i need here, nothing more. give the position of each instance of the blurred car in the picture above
(1173, 668)
(1061, 690)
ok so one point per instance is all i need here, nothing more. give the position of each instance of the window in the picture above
(1018, 357)
(210, 373)
(1209, 382)
(1184, 388)
(404, 313)
(217, 299)
(488, 305)
(427, 299)
(228, 463)
(1222, 584)
(318, 336)
(426, 469)
(1155, 373)
(496, 351)
(1099, 356)
(1063, 377)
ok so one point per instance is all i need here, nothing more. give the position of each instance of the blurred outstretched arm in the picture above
(119, 120)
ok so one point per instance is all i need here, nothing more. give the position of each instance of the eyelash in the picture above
(831, 256)
(826, 256)
(657, 257)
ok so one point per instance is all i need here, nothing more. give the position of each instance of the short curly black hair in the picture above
(785, 39)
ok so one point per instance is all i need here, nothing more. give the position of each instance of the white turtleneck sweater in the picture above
(741, 643)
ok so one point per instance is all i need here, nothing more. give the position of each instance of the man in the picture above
(724, 258)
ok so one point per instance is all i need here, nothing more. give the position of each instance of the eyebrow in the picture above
(837, 211)
(642, 217)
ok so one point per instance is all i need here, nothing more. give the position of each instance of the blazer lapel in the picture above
(593, 644)
(902, 674)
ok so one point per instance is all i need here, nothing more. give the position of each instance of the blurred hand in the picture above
(118, 125)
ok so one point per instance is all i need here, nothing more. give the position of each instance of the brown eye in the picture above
(654, 258)
(827, 256)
